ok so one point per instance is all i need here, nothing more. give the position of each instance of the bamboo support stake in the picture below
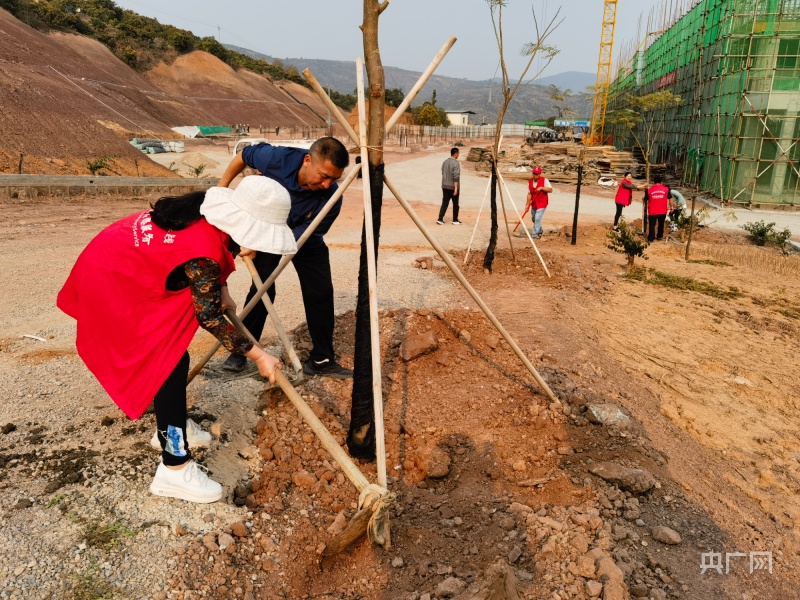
(528, 233)
(719, 158)
(474, 229)
(281, 266)
(372, 279)
(327, 440)
(274, 316)
(471, 291)
(420, 83)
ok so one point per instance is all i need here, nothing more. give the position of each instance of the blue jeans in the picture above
(537, 222)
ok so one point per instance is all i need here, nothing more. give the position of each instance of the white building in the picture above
(459, 117)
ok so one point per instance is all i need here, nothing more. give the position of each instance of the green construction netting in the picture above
(736, 66)
(214, 129)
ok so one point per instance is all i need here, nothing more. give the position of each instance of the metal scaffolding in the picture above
(736, 66)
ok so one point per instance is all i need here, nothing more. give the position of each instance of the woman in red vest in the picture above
(538, 189)
(656, 198)
(624, 196)
(140, 290)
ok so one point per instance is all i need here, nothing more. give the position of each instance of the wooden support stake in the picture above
(471, 291)
(477, 220)
(420, 83)
(274, 316)
(525, 229)
(327, 440)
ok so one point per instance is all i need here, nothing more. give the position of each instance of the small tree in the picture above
(644, 117)
(625, 241)
(561, 99)
(428, 115)
(532, 49)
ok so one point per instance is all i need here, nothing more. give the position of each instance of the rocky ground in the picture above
(672, 445)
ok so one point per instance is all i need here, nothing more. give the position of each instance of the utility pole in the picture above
(219, 36)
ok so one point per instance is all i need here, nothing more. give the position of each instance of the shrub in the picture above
(764, 233)
(625, 242)
(97, 165)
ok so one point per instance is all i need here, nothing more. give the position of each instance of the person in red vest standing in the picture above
(538, 189)
(624, 196)
(657, 199)
(140, 290)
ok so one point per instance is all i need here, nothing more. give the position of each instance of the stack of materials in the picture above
(559, 162)
(153, 146)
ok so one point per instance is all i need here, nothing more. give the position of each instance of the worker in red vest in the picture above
(538, 189)
(624, 196)
(143, 286)
(657, 199)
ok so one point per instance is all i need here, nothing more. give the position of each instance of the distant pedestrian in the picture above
(657, 199)
(624, 196)
(451, 175)
(538, 189)
(676, 205)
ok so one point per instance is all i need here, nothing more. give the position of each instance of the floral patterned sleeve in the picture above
(203, 276)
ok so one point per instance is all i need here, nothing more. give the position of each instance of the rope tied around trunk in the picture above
(380, 500)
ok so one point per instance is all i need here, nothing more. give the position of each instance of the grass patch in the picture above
(713, 263)
(676, 282)
(88, 586)
(55, 500)
(106, 536)
(780, 306)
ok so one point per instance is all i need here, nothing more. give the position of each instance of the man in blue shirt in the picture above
(310, 177)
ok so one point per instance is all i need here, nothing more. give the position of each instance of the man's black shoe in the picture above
(235, 363)
(327, 368)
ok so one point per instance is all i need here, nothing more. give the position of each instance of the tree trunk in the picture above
(488, 258)
(631, 258)
(361, 434)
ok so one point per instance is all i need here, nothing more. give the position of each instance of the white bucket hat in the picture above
(254, 214)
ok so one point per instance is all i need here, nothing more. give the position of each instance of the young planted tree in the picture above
(625, 241)
(361, 435)
(532, 49)
(644, 117)
(561, 101)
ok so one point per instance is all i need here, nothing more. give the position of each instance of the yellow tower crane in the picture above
(603, 73)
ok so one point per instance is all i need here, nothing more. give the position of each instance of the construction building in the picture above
(736, 66)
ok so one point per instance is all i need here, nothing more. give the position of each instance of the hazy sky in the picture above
(411, 31)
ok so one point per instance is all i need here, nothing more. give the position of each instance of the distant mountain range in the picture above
(530, 104)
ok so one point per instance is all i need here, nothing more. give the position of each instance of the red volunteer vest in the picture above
(131, 330)
(624, 195)
(658, 199)
(539, 199)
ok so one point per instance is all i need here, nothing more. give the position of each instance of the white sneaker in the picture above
(195, 435)
(189, 483)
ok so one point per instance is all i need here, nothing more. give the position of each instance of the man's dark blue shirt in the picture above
(282, 164)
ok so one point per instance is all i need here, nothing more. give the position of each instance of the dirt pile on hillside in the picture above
(67, 100)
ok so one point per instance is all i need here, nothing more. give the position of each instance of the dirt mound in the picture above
(67, 100)
(224, 96)
(193, 164)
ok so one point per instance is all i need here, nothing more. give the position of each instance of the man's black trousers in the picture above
(652, 220)
(313, 266)
(448, 195)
